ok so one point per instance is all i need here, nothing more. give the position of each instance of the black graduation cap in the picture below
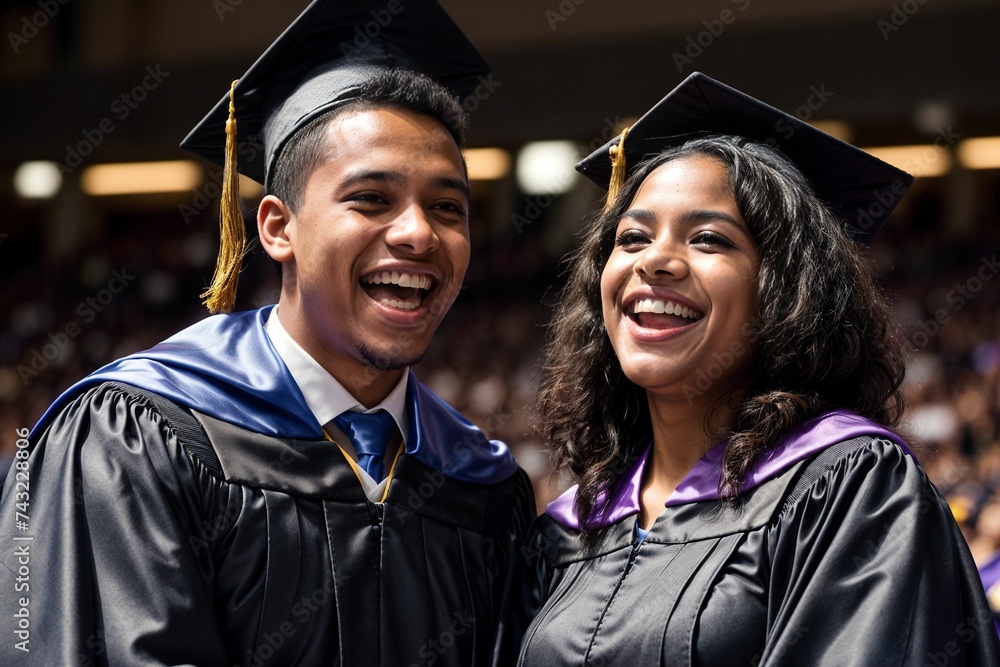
(856, 186)
(318, 63)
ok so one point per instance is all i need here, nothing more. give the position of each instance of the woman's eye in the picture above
(629, 238)
(712, 239)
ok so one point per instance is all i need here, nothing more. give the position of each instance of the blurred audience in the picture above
(62, 319)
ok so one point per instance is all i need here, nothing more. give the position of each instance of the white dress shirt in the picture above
(327, 398)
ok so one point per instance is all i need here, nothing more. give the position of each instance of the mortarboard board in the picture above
(317, 64)
(858, 187)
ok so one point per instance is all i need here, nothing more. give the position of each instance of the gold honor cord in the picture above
(354, 465)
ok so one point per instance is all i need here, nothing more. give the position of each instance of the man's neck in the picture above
(369, 385)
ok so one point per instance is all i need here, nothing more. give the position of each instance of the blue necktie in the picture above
(369, 433)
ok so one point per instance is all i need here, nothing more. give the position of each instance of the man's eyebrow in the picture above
(380, 175)
(448, 183)
(397, 178)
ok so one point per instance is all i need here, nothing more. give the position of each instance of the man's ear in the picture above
(276, 229)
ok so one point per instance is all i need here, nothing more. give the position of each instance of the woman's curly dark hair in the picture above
(824, 335)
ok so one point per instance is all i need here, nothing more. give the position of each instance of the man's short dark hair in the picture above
(398, 88)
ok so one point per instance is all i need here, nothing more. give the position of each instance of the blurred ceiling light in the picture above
(836, 128)
(922, 160)
(487, 164)
(37, 180)
(931, 116)
(133, 178)
(546, 167)
(980, 153)
(250, 189)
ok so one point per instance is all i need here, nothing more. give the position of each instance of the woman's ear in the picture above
(276, 228)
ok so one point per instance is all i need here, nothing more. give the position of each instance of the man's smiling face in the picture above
(376, 252)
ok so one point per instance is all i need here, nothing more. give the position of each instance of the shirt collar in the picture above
(324, 395)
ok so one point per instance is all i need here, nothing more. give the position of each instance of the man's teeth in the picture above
(401, 305)
(660, 306)
(414, 280)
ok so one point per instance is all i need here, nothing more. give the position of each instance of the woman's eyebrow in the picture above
(691, 217)
(704, 215)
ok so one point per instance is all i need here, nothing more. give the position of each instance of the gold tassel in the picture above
(221, 296)
(618, 169)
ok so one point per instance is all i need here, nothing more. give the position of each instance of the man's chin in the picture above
(388, 360)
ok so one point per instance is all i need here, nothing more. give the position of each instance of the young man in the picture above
(276, 487)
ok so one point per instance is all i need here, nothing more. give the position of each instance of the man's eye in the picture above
(451, 207)
(367, 197)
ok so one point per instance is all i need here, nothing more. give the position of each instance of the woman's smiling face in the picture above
(679, 287)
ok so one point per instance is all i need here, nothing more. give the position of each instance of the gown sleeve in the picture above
(532, 576)
(869, 568)
(102, 559)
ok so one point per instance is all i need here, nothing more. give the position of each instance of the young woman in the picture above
(722, 376)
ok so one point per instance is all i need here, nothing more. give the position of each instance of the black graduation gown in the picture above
(148, 549)
(855, 560)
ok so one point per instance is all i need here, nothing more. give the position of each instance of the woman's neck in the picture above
(682, 434)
